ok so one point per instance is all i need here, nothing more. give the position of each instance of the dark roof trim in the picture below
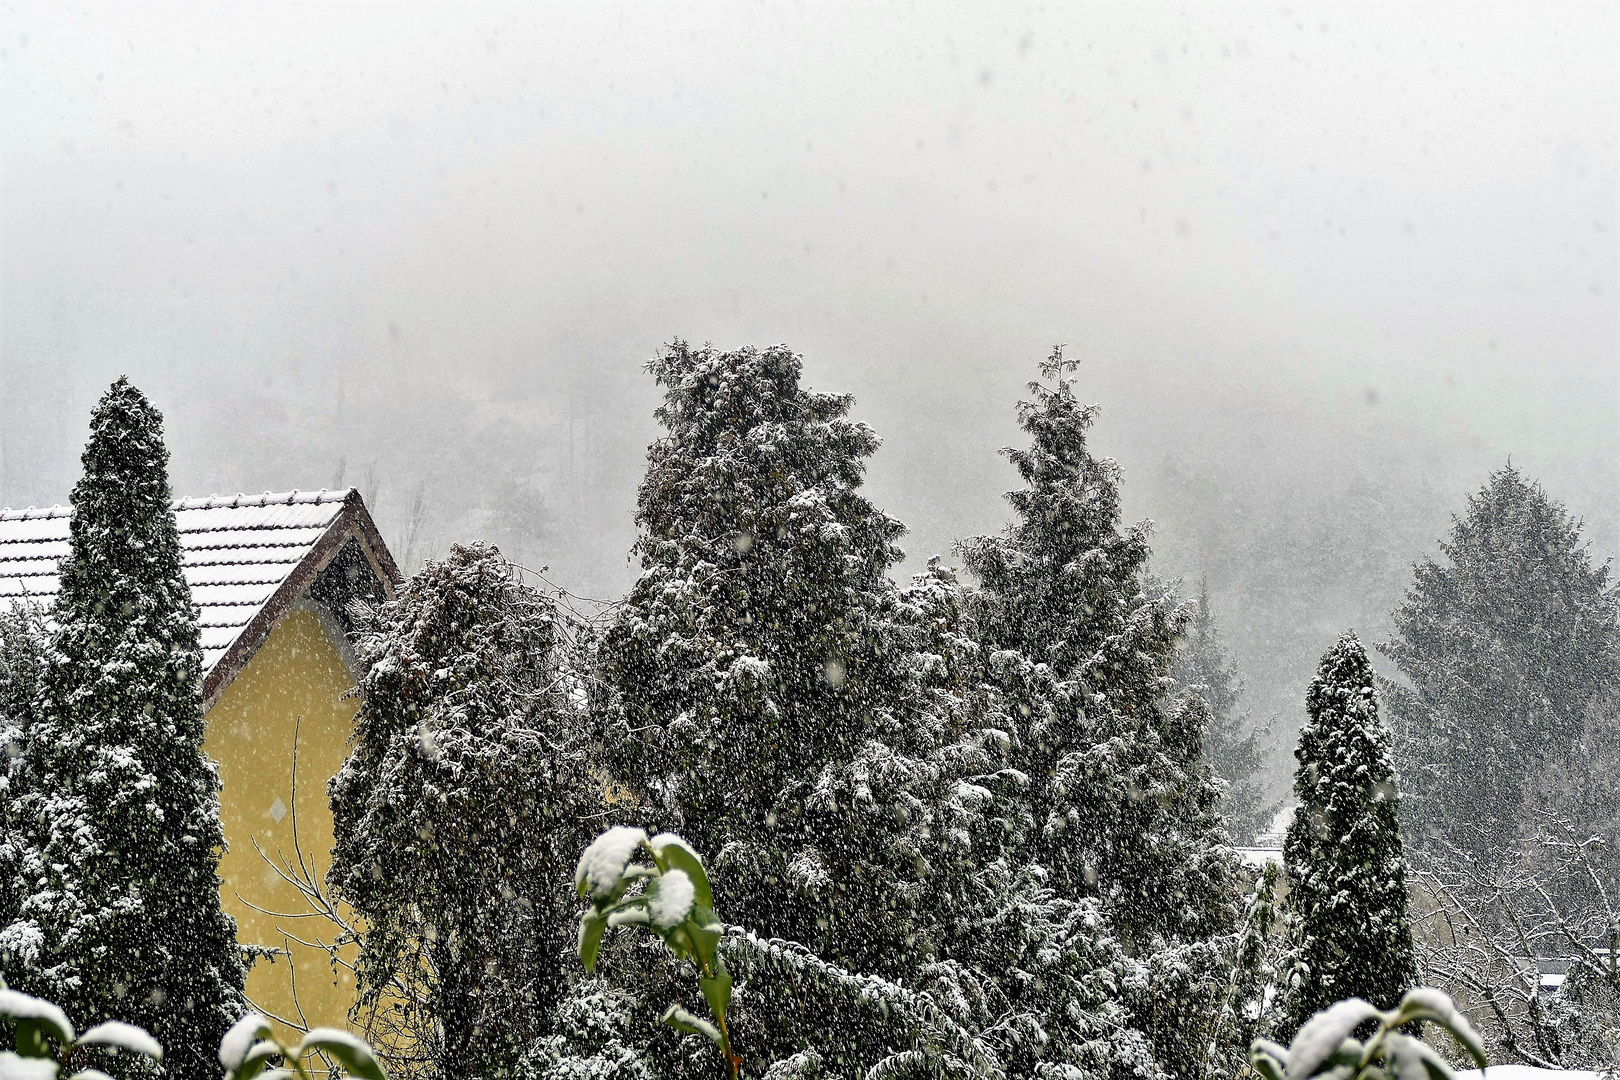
(352, 521)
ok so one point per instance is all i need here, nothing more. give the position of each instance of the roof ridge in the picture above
(295, 497)
(34, 513)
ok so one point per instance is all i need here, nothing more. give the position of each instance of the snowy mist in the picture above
(1326, 267)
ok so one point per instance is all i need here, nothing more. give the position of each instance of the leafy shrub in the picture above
(676, 904)
(1326, 1045)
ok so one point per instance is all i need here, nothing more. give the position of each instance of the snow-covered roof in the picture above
(1259, 857)
(248, 558)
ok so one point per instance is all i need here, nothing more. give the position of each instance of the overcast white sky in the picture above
(1306, 250)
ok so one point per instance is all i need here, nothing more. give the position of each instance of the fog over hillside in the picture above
(1326, 267)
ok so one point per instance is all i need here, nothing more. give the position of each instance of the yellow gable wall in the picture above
(295, 682)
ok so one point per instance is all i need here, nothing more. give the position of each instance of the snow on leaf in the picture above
(669, 900)
(604, 861)
(19, 1006)
(351, 1052)
(124, 1037)
(1323, 1033)
(13, 1067)
(240, 1039)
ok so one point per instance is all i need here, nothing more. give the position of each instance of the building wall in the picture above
(294, 684)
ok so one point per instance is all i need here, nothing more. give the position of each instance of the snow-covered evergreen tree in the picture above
(784, 707)
(458, 815)
(121, 918)
(1343, 856)
(1505, 646)
(1120, 803)
(755, 656)
(22, 660)
(1232, 743)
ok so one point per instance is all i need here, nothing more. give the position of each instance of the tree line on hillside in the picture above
(975, 828)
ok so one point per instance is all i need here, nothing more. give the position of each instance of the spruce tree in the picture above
(458, 815)
(122, 919)
(1232, 744)
(1505, 646)
(1343, 856)
(1120, 804)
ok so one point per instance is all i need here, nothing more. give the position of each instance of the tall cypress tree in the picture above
(1121, 805)
(771, 699)
(755, 650)
(1343, 856)
(122, 918)
(1505, 646)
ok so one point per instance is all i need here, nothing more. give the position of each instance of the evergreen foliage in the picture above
(22, 661)
(1342, 854)
(121, 913)
(458, 813)
(1232, 743)
(1505, 647)
(756, 661)
(1120, 804)
(776, 699)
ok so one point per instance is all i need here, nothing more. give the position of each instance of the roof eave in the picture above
(354, 520)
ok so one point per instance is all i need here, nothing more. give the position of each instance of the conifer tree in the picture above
(780, 704)
(1343, 857)
(1505, 646)
(122, 917)
(458, 815)
(22, 659)
(1120, 805)
(755, 651)
(1232, 744)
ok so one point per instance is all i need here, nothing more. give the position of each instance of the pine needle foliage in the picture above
(1343, 855)
(122, 916)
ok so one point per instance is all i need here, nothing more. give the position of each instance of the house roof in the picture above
(247, 558)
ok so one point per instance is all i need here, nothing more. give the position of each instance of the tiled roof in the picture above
(239, 550)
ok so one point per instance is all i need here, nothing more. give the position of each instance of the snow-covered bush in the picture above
(1326, 1045)
(456, 817)
(252, 1049)
(46, 1045)
(670, 897)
